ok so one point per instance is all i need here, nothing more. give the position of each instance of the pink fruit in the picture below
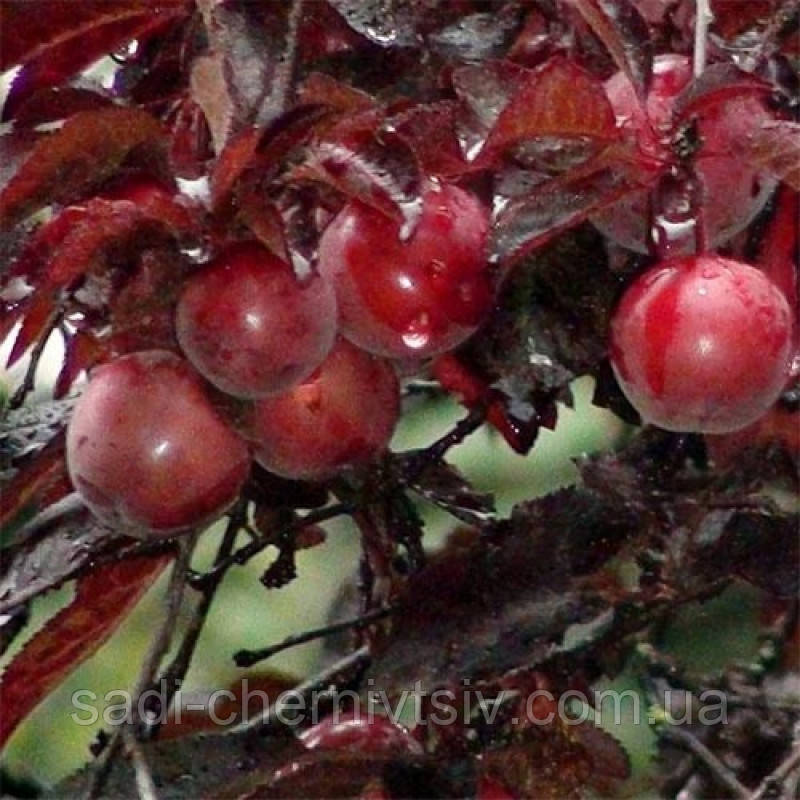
(343, 414)
(416, 298)
(146, 450)
(250, 326)
(702, 343)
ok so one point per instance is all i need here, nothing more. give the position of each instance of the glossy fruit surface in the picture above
(416, 298)
(360, 733)
(146, 450)
(250, 326)
(733, 192)
(702, 344)
(343, 414)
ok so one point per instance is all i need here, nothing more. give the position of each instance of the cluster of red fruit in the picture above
(307, 357)
(698, 342)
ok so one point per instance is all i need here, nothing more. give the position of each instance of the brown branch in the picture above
(159, 645)
(718, 770)
(247, 658)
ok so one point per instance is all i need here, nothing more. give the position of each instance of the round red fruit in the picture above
(250, 326)
(362, 734)
(733, 193)
(146, 450)
(343, 414)
(413, 298)
(702, 343)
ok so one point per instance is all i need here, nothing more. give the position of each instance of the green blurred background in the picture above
(246, 615)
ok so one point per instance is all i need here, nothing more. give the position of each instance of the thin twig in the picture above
(721, 773)
(145, 785)
(244, 554)
(173, 675)
(246, 658)
(159, 645)
(702, 20)
(342, 672)
(420, 460)
(774, 780)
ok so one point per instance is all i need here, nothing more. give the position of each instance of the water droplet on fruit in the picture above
(418, 333)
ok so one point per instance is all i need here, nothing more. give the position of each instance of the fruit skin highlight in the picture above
(702, 343)
(147, 451)
(733, 193)
(250, 327)
(343, 414)
(410, 299)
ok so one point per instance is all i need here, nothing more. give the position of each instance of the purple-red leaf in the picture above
(369, 163)
(102, 600)
(431, 133)
(550, 208)
(560, 99)
(50, 105)
(626, 35)
(87, 150)
(57, 38)
(719, 82)
(40, 481)
(775, 148)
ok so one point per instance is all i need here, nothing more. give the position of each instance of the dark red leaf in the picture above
(49, 105)
(430, 132)
(369, 163)
(61, 38)
(775, 148)
(82, 351)
(40, 316)
(321, 89)
(529, 221)
(560, 100)
(26, 34)
(485, 89)
(719, 82)
(779, 247)
(40, 481)
(626, 35)
(102, 600)
(88, 149)
(190, 139)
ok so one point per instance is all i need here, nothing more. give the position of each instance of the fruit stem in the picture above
(703, 17)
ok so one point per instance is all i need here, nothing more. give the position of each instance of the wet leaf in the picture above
(626, 35)
(40, 481)
(61, 39)
(775, 148)
(528, 222)
(62, 543)
(719, 83)
(86, 151)
(102, 600)
(371, 164)
(558, 100)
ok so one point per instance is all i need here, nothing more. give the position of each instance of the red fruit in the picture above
(343, 414)
(733, 192)
(360, 733)
(702, 343)
(416, 298)
(250, 326)
(146, 450)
